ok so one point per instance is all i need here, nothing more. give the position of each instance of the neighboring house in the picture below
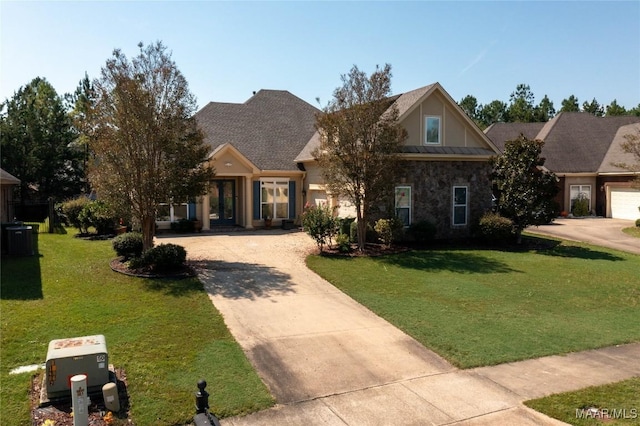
(253, 149)
(445, 170)
(7, 184)
(582, 150)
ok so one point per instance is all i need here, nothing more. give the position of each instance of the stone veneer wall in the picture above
(432, 185)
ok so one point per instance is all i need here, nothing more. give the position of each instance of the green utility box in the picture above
(78, 355)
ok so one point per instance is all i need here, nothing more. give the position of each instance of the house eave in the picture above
(445, 157)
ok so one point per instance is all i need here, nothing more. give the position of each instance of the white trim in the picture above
(395, 201)
(275, 183)
(580, 191)
(426, 129)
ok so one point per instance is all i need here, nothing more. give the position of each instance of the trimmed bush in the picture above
(128, 245)
(370, 237)
(344, 243)
(638, 223)
(162, 258)
(495, 228)
(580, 205)
(71, 209)
(344, 225)
(422, 231)
(99, 215)
(389, 230)
(320, 224)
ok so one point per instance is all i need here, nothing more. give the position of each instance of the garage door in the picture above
(625, 203)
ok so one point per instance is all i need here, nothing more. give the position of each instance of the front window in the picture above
(432, 130)
(403, 204)
(460, 202)
(274, 199)
(172, 212)
(581, 193)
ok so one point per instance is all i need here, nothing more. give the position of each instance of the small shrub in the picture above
(370, 237)
(422, 231)
(99, 215)
(344, 243)
(495, 228)
(389, 230)
(183, 225)
(320, 224)
(72, 209)
(128, 245)
(344, 225)
(162, 258)
(580, 205)
(638, 223)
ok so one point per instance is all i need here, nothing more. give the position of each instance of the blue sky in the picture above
(226, 50)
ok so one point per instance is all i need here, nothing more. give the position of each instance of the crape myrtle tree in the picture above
(631, 145)
(36, 138)
(360, 142)
(147, 147)
(526, 190)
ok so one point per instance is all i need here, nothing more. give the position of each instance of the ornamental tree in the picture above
(147, 147)
(360, 142)
(526, 190)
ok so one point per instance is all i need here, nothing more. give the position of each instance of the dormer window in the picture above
(432, 130)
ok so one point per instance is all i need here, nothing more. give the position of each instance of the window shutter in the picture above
(191, 207)
(292, 199)
(256, 200)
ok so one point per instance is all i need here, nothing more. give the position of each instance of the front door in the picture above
(222, 204)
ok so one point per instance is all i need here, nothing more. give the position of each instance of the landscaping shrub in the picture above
(183, 225)
(389, 230)
(495, 228)
(580, 205)
(344, 225)
(99, 215)
(422, 231)
(71, 209)
(128, 245)
(344, 243)
(162, 258)
(320, 224)
(370, 237)
(638, 223)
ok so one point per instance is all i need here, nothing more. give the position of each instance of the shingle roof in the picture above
(575, 142)
(615, 154)
(270, 129)
(447, 150)
(7, 178)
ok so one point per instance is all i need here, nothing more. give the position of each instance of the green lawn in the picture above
(633, 231)
(166, 334)
(620, 402)
(483, 307)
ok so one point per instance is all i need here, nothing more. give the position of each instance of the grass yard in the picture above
(480, 307)
(165, 334)
(633, 231)
(617, 404)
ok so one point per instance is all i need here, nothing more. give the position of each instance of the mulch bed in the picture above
(59, 413)
(120, 265)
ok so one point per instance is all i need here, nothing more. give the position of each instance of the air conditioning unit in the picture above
(77, 355)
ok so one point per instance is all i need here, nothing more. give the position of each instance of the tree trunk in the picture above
(148, 231)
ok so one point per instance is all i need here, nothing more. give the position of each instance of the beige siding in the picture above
(413, 127)
(228, 163)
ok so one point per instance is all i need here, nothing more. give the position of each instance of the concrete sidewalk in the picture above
(330, 361)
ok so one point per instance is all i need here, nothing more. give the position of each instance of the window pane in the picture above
(460, 195)
(433, 129)
(163, 212)
(282, 210)
(403, 197)
(459, 215)
(266, 211)
(179, 211)
(403, 215)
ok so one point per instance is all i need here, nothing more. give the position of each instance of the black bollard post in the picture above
(203, 417)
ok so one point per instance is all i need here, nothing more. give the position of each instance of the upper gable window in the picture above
(432, 130)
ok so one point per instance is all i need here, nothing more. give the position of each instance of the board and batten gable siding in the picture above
(456, 131)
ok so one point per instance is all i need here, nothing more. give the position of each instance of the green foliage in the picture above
(526, 190)
(370, 234)
(162, 258)
(495, 228)
(128, 244)
(570, 104)
(36, 141)
(344, 225)
(593, 107)
(320, 223)
(389, 230)
(360, 141)
(422, 231)
(580, 205)
(638, 223)
(344, 243)
(614, 109)
(72, 209)
(99, 215)
(147, 144)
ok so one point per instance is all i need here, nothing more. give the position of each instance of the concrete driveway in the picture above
(603, 232)
(330, 361)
